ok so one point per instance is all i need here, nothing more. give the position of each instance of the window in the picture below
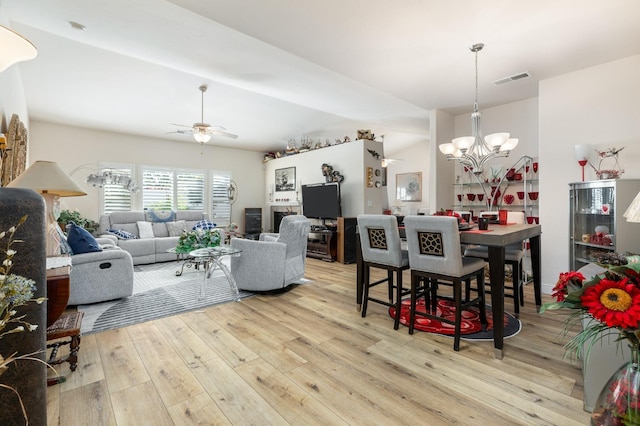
(220, 204)
(170, 189)
(115, 196)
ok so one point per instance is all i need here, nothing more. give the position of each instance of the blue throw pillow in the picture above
(80, 240)
(203, 224)
(122, 234)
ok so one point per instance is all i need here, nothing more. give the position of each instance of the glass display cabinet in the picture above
(597, 228)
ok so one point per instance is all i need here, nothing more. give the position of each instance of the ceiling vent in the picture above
(511, 78)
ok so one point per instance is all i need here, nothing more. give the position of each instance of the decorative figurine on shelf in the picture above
(331, 175)
(374, 153)
(612, 173)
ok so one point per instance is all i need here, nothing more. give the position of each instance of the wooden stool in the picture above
(68, 325)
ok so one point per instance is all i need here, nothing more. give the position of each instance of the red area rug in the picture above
(470, 328)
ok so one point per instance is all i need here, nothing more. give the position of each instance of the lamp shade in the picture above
(15, 48)
(46, 177)
(632, 214)
(582, 152)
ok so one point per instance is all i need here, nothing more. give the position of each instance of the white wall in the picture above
(350, 159)
(72, 147)
(414, 158)
(597, 105)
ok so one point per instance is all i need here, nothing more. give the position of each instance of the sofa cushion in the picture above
(194, 215)
(80, 240)
(125, 217)
(176, 228)
(122, 234)
(160, 215)
(145, 229)
(139, 247)
(160, 229)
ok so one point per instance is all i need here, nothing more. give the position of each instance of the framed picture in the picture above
(409, 186)
(286, 179)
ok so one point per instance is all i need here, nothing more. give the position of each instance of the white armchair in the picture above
(274, 261)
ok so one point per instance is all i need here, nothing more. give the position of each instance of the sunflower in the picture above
(615, 303)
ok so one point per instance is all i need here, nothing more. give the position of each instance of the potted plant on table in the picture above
(199, 238)
(610, 302)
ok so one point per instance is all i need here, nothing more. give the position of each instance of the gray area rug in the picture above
(158, 293)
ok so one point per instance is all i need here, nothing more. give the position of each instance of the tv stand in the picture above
(322, 244)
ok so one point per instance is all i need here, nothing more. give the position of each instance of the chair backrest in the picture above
(294, 232)
(380, 239)
(434, 244)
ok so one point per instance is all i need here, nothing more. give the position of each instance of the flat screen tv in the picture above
(321, 200)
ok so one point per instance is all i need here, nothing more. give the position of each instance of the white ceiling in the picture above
(280, 69)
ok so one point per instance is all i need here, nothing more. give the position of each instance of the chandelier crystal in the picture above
(474, 151)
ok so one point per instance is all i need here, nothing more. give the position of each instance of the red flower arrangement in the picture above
(612, 301)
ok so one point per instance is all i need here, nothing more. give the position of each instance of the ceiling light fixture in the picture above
(473, 151)
(15, 48)
(201, 133)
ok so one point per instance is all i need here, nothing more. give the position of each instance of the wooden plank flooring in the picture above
(307, 357)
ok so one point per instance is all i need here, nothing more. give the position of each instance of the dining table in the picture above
(495, 238)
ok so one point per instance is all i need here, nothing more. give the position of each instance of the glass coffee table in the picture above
(211, 257)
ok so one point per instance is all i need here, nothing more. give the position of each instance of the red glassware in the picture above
(471, 197)
(535, 167)
(520, 195)
(459, 197)
(480, 197)
(495, 191)
(508, 199)
(530, 220)
(533, 195)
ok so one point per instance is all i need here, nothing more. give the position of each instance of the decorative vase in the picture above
(619, 400)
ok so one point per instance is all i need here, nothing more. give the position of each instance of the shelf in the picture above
(580, 243)
(505, 182)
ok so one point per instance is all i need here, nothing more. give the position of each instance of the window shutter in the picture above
(157, 189)
(220, 205)
(116, 198)
(190, 190)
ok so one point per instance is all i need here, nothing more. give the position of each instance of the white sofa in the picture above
(150, 249)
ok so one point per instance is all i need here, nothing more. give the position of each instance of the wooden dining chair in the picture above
(381, 248)
(434, 256)
(513, 255)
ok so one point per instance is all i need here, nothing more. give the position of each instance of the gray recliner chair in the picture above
(100, 276)
(275, 260)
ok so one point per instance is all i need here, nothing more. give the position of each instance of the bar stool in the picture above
(67, 326)
(381, 248)
(513, 255)
(434, 254)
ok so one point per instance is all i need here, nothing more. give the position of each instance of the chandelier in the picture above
(473, 151)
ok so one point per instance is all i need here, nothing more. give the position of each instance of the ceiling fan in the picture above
(202, 131)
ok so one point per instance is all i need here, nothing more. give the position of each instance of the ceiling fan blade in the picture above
(222, 133)
(181, 125)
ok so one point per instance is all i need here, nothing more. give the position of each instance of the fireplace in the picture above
(278, 212)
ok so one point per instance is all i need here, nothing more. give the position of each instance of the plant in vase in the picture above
(611, 303)
(15, 291)
(200, 238)
(74, 216)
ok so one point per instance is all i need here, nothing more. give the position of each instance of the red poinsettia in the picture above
(616, 303)
(560, 290)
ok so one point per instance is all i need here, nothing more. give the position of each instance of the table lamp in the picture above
(48, 179)
(632, 214)
(582, 153)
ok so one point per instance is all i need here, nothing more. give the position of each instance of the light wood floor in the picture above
(307, 357)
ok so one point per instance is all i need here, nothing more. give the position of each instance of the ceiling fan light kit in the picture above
(202, 131)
